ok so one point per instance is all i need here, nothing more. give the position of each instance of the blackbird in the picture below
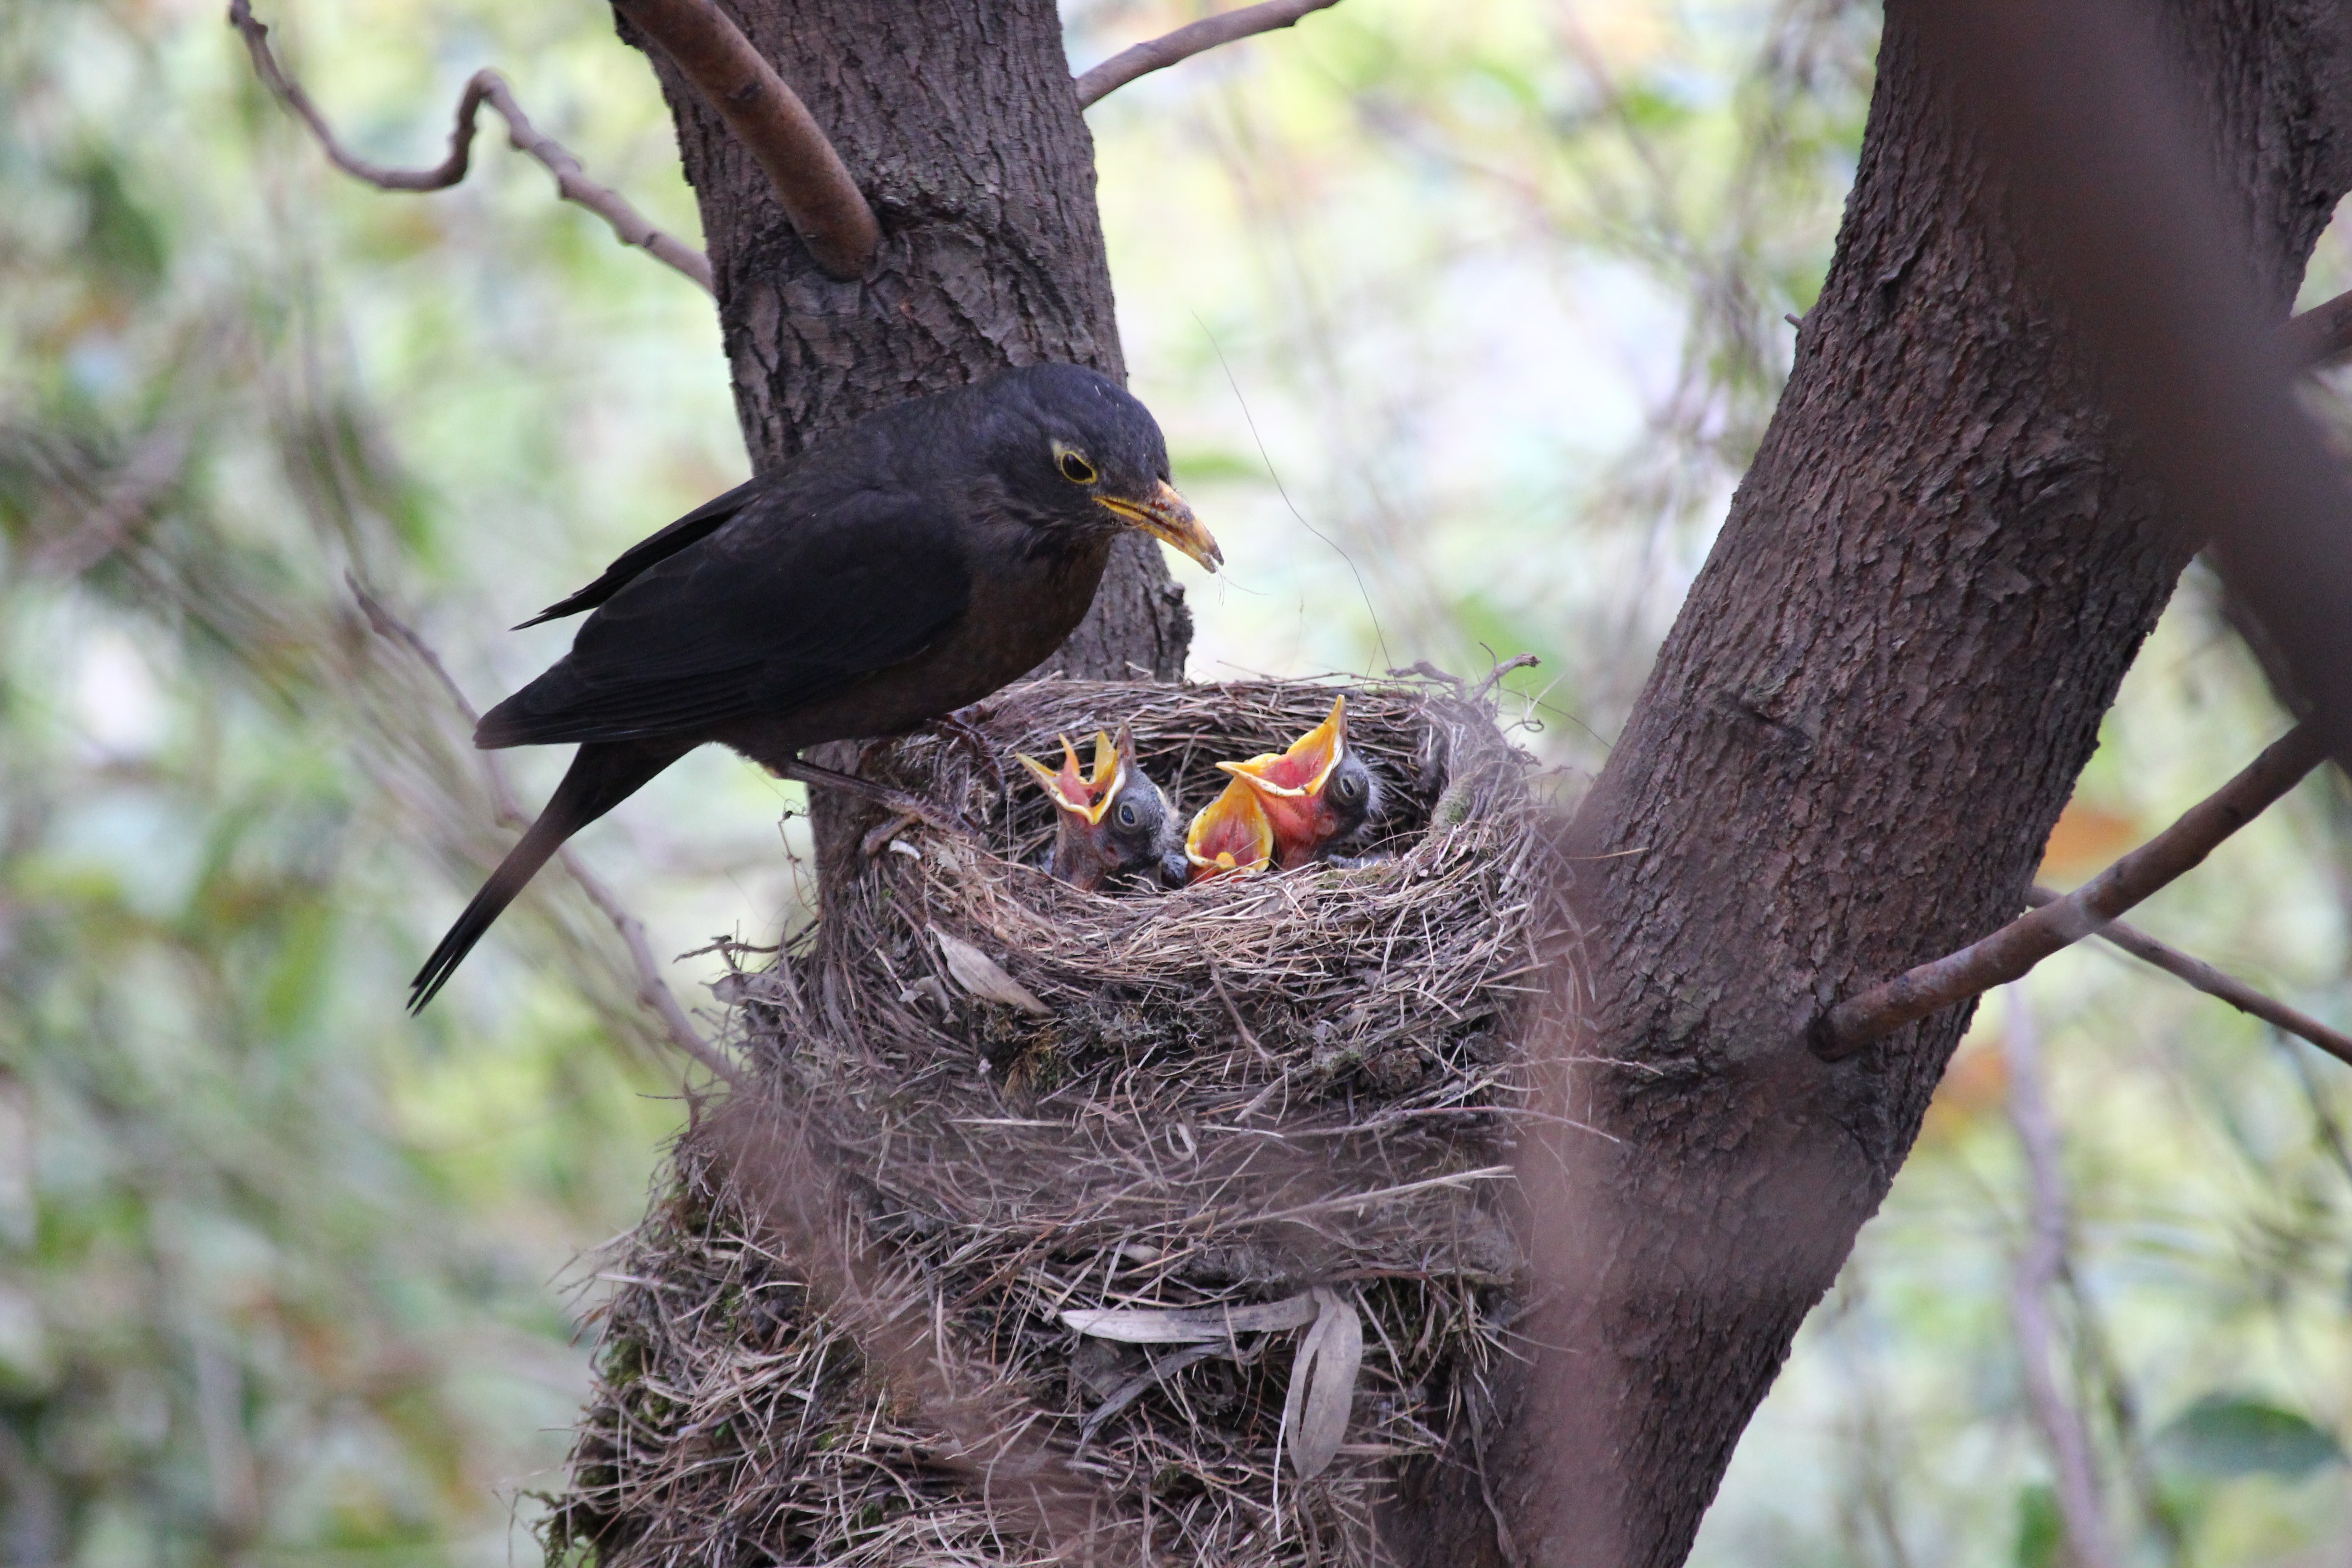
(1114, 827)
(1230, 835)
(906, 565)
(1317, 797)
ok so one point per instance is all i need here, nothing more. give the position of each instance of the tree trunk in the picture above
(1868, 717)
(958, 120)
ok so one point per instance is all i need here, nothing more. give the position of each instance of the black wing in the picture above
(695, 526)
(791, 605)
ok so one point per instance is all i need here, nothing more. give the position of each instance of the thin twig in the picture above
(809, 177)
(2025, 942)
(1193, 39)
(652, 989)
(153, 466)
(1495, 678)
(1217, 982)
(2039, 1268)
(572, 183)
(2213, 983)
(2320, 335)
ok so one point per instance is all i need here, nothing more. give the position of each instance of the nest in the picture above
(1181, 1219)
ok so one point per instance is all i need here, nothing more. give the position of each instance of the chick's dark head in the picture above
(1353, 792)
(1142, 837)
(1074, 452)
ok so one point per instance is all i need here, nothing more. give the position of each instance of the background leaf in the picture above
(2225, 1436)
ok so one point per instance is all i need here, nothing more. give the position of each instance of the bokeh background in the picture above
(1463, 321)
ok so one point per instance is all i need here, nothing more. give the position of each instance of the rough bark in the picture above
(1870, 712)
(959, 121)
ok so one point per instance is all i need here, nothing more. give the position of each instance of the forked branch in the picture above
(2025, 942)
(487, 87)
(2196, 971)
(830, 214)
(1193, 39)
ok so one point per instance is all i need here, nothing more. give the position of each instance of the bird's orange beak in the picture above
(1302, 771)
(1289, 785)
(1230, 835)
(1167, 517)
(1071, 791)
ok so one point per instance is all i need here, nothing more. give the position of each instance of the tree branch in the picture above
(2321, 334)
(2213, 983)
(2026, 941)
(630, 226)
(2041, 1265)
(653, 991)
(808, 176)
(1160, 53)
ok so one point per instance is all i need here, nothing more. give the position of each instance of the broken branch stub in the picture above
(768, 117)
(2321, 335)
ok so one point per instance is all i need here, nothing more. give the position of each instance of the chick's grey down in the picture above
(906, 565)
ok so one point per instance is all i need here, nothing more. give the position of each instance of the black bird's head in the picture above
(1075, 453)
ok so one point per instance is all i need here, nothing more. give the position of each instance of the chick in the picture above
(1231, 836)
(1114, 827)
(1318, 798)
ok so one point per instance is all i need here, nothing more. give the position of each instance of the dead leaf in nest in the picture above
(1142, 1326)
(984, 977)
(1323, 1384)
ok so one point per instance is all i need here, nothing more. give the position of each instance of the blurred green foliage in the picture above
(2224, 1437)
(277, 1269)
(1463, 322)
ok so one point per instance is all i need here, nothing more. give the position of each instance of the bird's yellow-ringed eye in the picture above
(1074, 465)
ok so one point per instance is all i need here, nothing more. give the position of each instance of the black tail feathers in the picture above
(601, 777)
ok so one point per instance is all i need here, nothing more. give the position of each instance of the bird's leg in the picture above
(880, 839)
(883, 795)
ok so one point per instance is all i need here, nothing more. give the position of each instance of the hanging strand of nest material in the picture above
(1178, 1220)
